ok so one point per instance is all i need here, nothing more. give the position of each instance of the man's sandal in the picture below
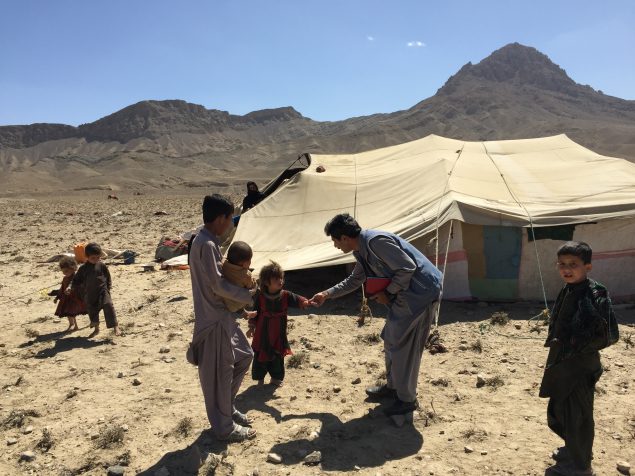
(241, 418)
(238, 434)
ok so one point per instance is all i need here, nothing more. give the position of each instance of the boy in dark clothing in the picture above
(581, 324)
(93, 281)
(268, 324)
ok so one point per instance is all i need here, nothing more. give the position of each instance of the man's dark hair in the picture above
(238, 252)
(216, 205)
(342, 224)
(67, 262)
(92, 249)
(576, 248)
(269, 271)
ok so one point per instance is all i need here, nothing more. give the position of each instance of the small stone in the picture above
(121, 375)
(27, 430)
(27, 456)
(518, 326)
(115, 470)
(255, 472)
(164, 350)
(357, 381)
(463, 347)
(316, 365)
(11, 441)
(167, 390)
(274, 458)
(468, 449)
(480, 381)
(337, 389)
(72, 369)
(624, 467)
(293, 397)
(619, 364)
(136, 381)
(483, 452)
(343, 400)
(94, 436)
(313, 436)
(313, 458)
(125, 427)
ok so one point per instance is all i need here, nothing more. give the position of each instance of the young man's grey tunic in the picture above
(416, 283)
(219, 346)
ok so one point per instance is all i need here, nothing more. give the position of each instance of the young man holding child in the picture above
(582, 323)
(219, 347)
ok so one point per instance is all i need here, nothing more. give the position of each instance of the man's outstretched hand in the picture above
(318, 299)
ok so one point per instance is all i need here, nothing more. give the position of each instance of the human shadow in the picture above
(43, 338)
(70, 343)
(256, 398)
(187, 461)
(365, 442)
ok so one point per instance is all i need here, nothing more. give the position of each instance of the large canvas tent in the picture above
(472, 204)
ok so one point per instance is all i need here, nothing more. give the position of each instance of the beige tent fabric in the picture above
(410, 188)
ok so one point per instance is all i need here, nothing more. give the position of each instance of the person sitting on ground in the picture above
(70, 305)
(253, 197)
(93, 278)
(582, 323)
(219, 347)
(268, 324)
(236, 270)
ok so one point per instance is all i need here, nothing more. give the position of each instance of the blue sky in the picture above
(74, 61)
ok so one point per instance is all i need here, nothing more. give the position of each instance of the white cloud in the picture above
(415, 44)
(370, 38)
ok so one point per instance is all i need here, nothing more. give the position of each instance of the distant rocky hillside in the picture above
(516, 92)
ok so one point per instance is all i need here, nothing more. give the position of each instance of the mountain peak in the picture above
(516, 64)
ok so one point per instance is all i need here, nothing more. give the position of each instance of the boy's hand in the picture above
(250, 332)
(381, 297)
(250, 314)
(67, 291)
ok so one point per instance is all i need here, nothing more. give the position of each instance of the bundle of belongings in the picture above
(169, 248)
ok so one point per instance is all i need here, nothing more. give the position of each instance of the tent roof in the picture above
(411, 188)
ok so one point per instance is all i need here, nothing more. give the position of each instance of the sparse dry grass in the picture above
(184, 427)
(500, 318)
(110, 436)
(17, 418)
(297, 360)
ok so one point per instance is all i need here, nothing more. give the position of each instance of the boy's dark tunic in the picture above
(578, 329)
(94, 283)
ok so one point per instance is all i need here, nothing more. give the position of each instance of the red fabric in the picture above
(71, 305)
(270, 334)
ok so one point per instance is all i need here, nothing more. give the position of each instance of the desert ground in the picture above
(72, 405)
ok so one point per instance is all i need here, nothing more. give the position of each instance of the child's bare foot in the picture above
(94, 333)
(117, 331)
(72, 328)
(276, 382)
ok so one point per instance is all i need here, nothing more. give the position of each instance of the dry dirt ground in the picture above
(83, 405)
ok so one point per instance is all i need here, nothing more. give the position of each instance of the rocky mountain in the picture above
(516, 92)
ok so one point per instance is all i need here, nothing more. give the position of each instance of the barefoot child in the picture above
(93, 278)
(70, 305)
(235, 269)
(268, 324)
(582, 323)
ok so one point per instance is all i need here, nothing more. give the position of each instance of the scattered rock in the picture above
(274, 458)
(293, 397)
(160, 213)
(164, 350)
(462, 347)
(624, 467)
(483, 452)
(337, 389)
(167, 390)
(357, 381)
(27, 430)
(115, 470)
(313, 436)
(121, 375)
(468, 449)
(27, 456)
(136, 381)
(518, 326)
(480, 381)
(311, 316)
(313, 458)
(11, 441)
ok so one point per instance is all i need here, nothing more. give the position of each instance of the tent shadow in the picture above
(366, 442)
(186, 461)
(70, 343)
